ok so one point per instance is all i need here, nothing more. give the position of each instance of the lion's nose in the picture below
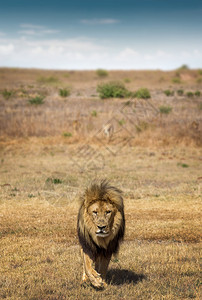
(101, 227)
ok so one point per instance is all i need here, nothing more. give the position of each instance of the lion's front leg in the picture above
(91, 273)
(101, 265)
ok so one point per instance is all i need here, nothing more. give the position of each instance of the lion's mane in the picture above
(102, 191)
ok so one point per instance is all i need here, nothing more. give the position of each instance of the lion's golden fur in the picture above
(98, 248)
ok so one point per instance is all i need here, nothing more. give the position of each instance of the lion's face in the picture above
(102, 216)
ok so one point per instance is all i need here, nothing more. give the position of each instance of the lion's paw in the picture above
(99, 284)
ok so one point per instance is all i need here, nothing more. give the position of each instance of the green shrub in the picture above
(177, 74)
(49, 79)
(54, 180)
(24, 92)
(197, 93)
(67, 134)
(64, 92)
(183, 165)
(200, 106)
(7, 94)
(128, 103)
(180, 92)
(169, 93)
(142, 93)
(190, 94)
(57, 181)
(161, 79)
(199, 80)
(122, 122)
(127, 80)
(184, 67)
(176, 80)
(94, 113)
(142, 126)
(165, 109)
(31, 196)
(37, 100)
(112, 90)
(102, 73)
(200, 72)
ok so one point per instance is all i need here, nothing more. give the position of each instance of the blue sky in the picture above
(91, 34)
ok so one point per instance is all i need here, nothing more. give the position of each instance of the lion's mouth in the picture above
(102, 233)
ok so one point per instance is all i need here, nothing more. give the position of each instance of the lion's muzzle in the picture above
(102, 231)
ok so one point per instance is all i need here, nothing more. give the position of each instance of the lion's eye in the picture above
(108, 212)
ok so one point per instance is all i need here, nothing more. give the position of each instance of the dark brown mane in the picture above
(103, 191)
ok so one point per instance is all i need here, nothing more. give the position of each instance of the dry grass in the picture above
(73, 114)
(43, 172)
(40, 258)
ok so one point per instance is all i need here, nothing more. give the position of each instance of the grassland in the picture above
(155, 160)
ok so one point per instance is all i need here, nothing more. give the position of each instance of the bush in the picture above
(183, 165)
(127, 80)
(168, 93)
(102, 73)
(54, 180)
(180, 92)
(112, 90)
(200, 106)
(7, 94)
(142, 93)
(49, 79)
(165, 109)
(67, 134)
(122, 122)
(94, 113)
(184, 67)
(37, 100)
(64, 92)
(142, 126)
(190, 94)
(176, 80)
(197, 93)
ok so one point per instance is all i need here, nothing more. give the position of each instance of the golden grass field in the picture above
(50, 152)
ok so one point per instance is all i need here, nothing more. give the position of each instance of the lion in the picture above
(100, 226)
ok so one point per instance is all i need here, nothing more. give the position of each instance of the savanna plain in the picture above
(142, 131)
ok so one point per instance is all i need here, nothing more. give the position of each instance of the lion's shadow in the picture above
(121, 276)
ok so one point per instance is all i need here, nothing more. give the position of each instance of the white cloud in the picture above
(163, 54)
(31, 26)
(62, 54)
(38, 32)
(148, 57)
(31, 29)
(28, 32)
(127, 54)
(6, 49)
(84, 53)
(197, 53)
(186, 54)
(99, 21)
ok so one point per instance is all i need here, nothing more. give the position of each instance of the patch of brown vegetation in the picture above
(72, 117)
(43, 172)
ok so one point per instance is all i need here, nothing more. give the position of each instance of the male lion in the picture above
(101, 225)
